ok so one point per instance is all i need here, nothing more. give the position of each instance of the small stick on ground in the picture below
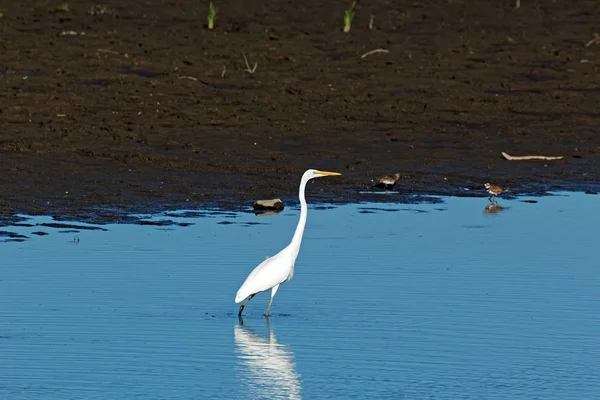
(107, 51)
(72, 33)
(191, 78)
(223, 72)
(596, 39)
(371, 22)
(248, 69)
(520, 158)
(368, 53)
(518, 4)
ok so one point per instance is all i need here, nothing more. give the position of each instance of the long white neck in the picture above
(297, 239)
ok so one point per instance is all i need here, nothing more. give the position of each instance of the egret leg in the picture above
(244, 304)
(273, 291)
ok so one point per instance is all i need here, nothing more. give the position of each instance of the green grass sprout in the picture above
(212, 15)
(349, 16)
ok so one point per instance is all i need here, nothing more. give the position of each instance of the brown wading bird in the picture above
(387, 181)
(494, 190)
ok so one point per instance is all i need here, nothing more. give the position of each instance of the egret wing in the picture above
(267, 274)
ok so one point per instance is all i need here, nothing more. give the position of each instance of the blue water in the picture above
(428, 301)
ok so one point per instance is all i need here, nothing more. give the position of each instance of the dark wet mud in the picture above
(117, 107)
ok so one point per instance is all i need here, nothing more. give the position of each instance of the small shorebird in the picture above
(387, 181)
(494, 190)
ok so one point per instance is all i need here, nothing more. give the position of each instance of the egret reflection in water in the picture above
(266, 365)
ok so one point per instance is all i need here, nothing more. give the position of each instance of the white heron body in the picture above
(280, 268)
(268, 274)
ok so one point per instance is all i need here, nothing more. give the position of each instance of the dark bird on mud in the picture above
(494, 190)
(387, 181)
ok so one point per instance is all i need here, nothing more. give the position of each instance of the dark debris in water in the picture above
(39, 233)
(188, 214)
(377, 209)
(163, 222)
(213, 213)
(323, 207)
(12, 235)
(372, 210)
(59, 225)
(254, 223)
(13, 220)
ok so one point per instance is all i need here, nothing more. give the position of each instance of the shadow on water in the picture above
(267, 366)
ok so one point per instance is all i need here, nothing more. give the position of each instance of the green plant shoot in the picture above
(212, 15)
(349, 16)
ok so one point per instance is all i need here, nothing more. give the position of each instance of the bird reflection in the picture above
(267, 213)
(268, 367)
(493, 208)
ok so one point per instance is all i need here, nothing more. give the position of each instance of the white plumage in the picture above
(267, 274)
(280, 268)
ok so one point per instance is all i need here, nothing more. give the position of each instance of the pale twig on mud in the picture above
(107, 51)
(371, 22)
(521, 158)
(368, 53)
(248, 69)
(596, 39)
(518, 4)
(191, 78)
(223, 72)
(72, 33)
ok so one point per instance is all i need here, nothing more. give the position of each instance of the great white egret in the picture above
(277, 269)
(494, 190)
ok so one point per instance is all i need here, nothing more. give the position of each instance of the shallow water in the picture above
(429, 301)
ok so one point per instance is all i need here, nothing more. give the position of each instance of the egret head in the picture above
(315, 173)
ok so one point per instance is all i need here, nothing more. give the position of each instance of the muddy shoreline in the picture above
(139, 108)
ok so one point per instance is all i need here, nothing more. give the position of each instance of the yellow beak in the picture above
(325, 173)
